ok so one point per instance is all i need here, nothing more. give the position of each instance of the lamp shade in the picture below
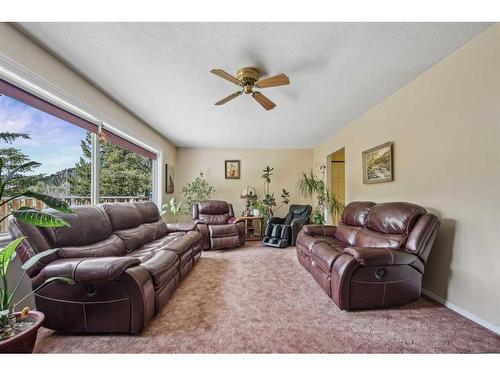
(247, 191)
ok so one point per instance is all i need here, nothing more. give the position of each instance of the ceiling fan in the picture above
(248, 79)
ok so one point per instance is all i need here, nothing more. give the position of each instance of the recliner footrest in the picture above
(225, 242)
(225, 230)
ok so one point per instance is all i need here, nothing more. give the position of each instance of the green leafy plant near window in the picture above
(196, 191)
(9, 327)
(174, 208)
(308, 185)
(267, 204)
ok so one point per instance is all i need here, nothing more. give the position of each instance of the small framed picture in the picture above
(169, 179)
(377, 164)
(232, 169)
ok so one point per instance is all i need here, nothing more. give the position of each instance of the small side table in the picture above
(254, 228)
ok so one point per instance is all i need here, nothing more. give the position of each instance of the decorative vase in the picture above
(24, 342)
(256, 212)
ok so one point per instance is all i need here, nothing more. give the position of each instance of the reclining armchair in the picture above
(375, 257)
(282, 231)
(218, 227)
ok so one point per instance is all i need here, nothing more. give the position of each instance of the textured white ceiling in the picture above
(161, 72)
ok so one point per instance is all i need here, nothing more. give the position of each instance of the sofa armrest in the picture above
(380, 256)
(234, 220)
(320, 230)
(181, 227)
(87, 269)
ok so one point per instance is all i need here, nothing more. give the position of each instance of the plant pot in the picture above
(256, 212)
(24, 342)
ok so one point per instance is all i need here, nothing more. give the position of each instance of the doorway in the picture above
(337, 170)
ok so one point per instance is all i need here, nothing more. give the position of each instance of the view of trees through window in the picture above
(64, 154)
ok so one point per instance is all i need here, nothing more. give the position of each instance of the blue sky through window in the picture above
(54, 143)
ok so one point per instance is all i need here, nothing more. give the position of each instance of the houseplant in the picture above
(308, 185)
(267, 204)
(196, 191)
(173, 207)
(18, 330)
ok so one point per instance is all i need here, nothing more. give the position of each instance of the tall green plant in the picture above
(31, 216)
(308, 185)
(268, 204)
(173, 207)
(196, 191)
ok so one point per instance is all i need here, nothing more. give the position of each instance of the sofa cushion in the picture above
(213, 207)
(136, 237)
(149, 211)
(225, 230)
(162, 266)
(306, 242)
(214, 219)
(111, 246)
(179, 243)
(370, 238)
(356, 213)
(89, 224)
(159, 228)
(123, 215)
(394, 217)
(324, 255)
(346, 233)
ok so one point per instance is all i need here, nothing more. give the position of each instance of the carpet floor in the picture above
(261, 300)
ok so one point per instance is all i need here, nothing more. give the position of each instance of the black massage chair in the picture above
(282, 231)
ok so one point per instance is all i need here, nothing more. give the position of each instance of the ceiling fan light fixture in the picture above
(248, 78)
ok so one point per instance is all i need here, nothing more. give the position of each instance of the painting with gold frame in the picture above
(377, 164)
(232, 169)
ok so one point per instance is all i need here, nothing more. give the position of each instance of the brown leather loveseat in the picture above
(125, 260)
(375, 257)
(219, 228)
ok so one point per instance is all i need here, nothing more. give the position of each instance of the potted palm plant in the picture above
(308, 185)
(18, 330)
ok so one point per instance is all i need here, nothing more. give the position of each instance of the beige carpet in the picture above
(260, 300)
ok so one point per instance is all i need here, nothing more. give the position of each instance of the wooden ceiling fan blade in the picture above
(221, 73)
(263, 101)
(228, 98)
(279, 80)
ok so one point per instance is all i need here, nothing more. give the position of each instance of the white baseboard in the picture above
(462, 311)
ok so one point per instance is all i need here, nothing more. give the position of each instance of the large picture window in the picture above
(68, 166)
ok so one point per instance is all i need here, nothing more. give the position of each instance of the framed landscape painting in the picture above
(232, 169)
(377, 164)
(169, 175)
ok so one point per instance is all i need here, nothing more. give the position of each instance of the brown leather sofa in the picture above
(375, 257)
(125, 260)
(218, 227)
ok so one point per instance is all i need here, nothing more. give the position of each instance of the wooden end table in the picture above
(254, 228)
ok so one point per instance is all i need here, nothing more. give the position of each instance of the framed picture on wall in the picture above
(169, 179)
(232, 169)
(377, 164)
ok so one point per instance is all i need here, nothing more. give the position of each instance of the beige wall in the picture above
(25, 52)
(445, 126)
(288, 164)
